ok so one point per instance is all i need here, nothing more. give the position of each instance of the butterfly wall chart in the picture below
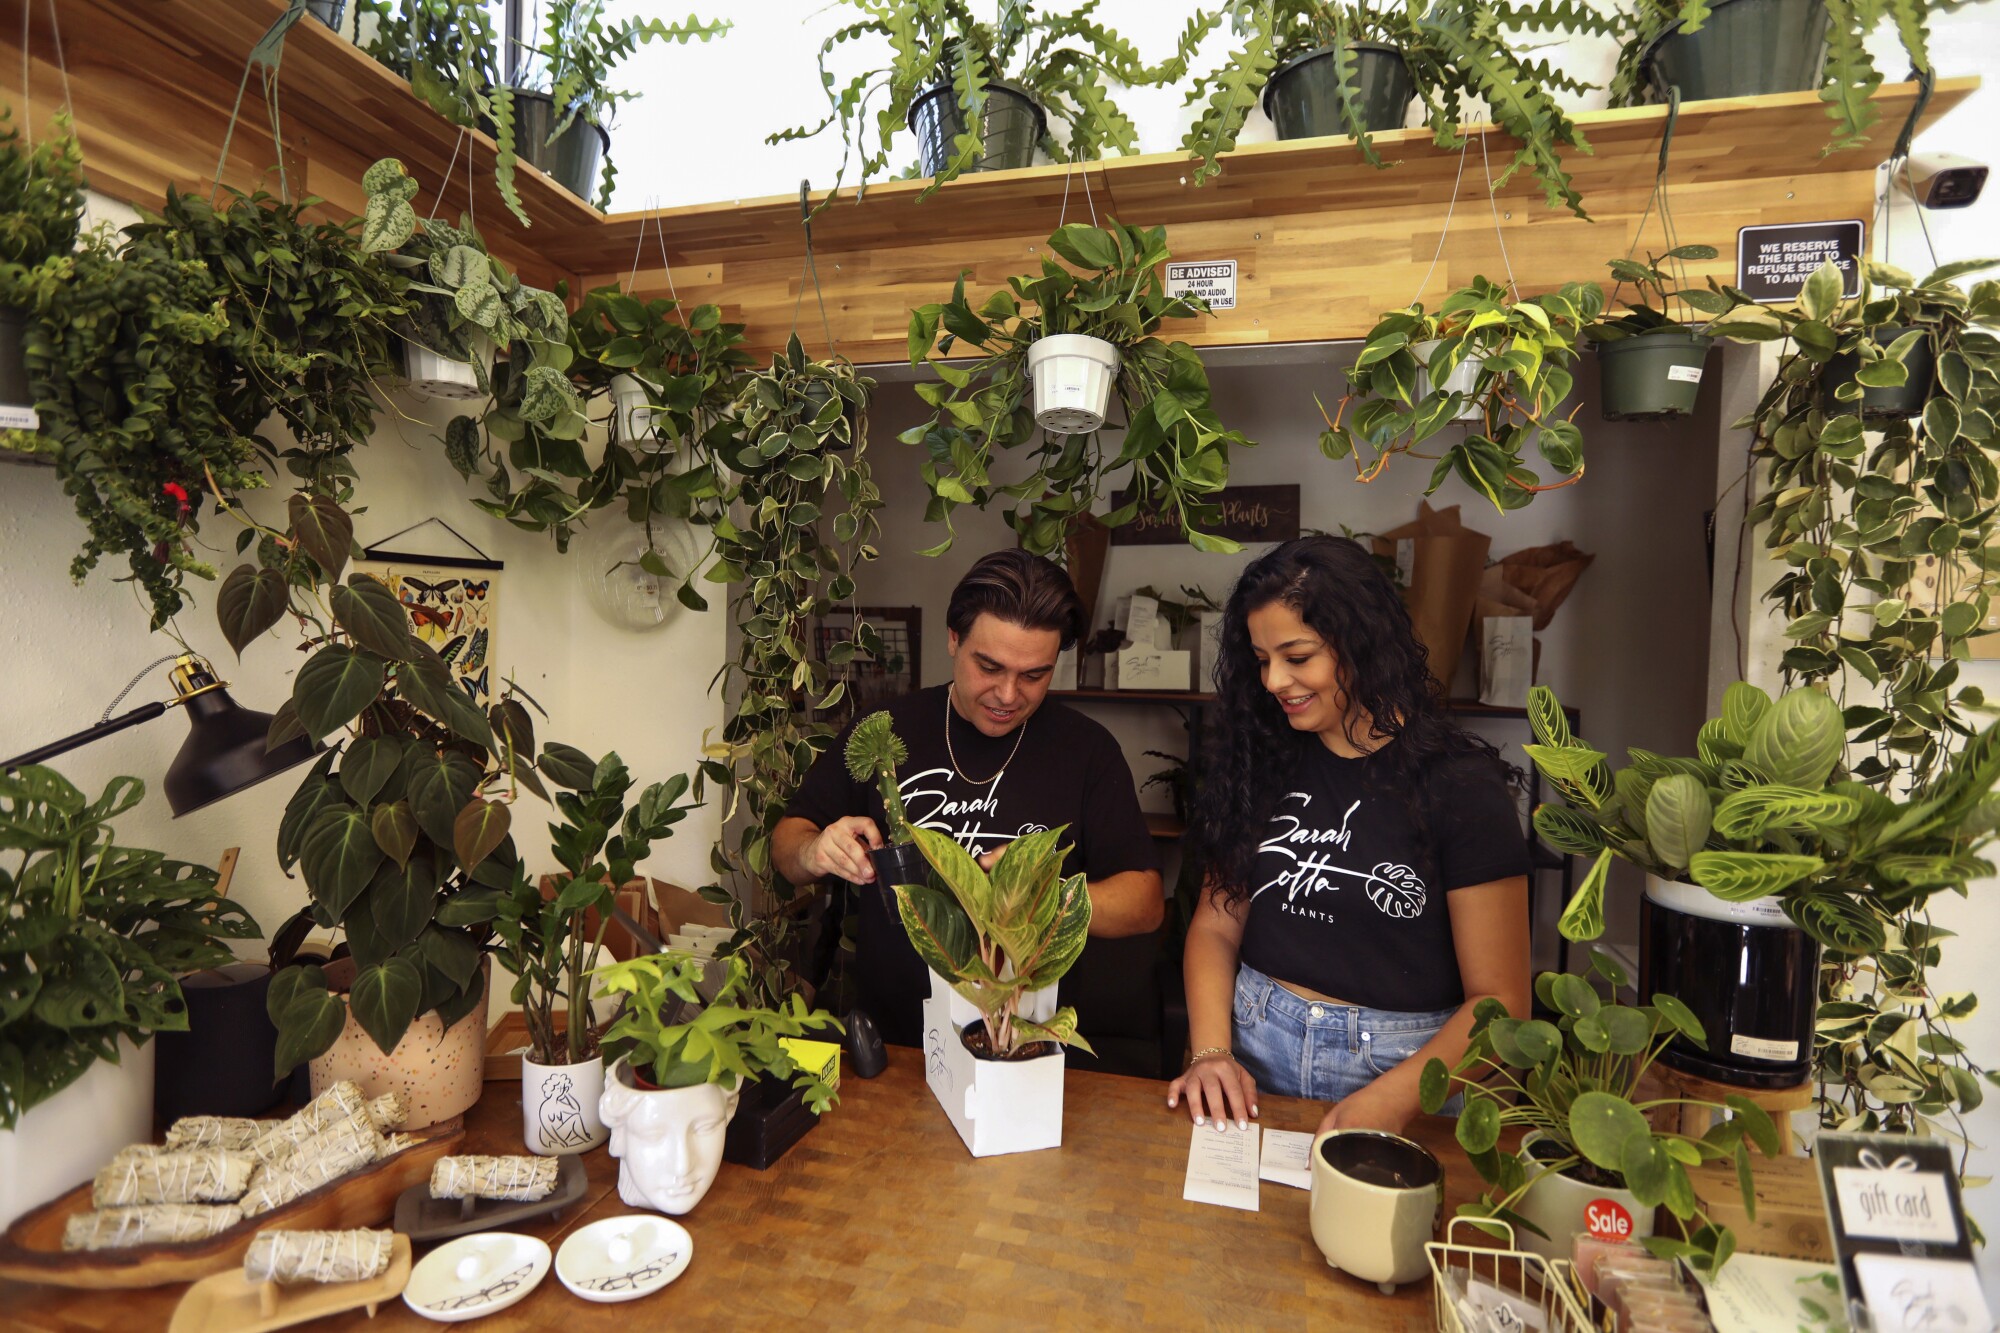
(453, 606)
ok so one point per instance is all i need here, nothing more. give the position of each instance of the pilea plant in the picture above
(1063, 61)
(92, 934)
(1574, 1085)
(1174, 451)
(1454, 49)
(1402, 390)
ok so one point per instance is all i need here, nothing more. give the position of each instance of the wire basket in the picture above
(1466, 1274)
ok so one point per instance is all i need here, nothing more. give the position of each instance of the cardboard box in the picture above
(1791, 1208)
(996, 1106)
(1152, 669)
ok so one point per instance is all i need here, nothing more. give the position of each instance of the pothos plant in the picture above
(1064, 61)
(1173, 452)
(1401, 391)
(1885, 528)
(92, 934)
(161, 357)
(1454, 49)
(552, 938)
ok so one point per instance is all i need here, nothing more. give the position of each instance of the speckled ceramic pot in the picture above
(438, 1072)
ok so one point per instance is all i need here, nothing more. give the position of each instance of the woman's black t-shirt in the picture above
(1348, 898)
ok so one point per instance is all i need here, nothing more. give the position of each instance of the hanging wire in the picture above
(449, 167)
(660, 237)
(1659, 194)
(1486, 164)
(811, 270)
(1062, 214)
(1450, 209)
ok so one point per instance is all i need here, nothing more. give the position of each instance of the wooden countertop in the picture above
(879, 1217)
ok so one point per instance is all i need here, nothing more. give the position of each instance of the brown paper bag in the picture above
(1440, 566)
(1545, 574)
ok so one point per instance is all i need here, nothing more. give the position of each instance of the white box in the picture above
(1065, 673)
(997, 1106)
(1207, 648)
(1152, 669)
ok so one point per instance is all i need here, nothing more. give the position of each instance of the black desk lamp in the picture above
(224, 751)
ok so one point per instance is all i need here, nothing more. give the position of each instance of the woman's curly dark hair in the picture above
(1342, 594)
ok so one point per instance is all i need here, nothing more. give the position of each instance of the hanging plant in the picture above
(1499, 369)
(1174, 451)
(1652, 353)
(38, 231)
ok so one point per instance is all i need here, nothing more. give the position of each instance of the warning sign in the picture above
(1213, 280)
(1772, 263)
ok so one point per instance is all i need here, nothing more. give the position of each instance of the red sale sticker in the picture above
(1606, 1219)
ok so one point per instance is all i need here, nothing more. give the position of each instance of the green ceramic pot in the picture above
(1302, 96)
(1745, 48)
(1010, 126)
(1652, 376)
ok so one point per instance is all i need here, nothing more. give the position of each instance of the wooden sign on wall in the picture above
(1249, 514)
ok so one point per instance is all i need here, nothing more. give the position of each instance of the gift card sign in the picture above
(1899, 1230)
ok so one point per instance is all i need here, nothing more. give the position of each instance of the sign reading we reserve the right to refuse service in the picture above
(1773, 262)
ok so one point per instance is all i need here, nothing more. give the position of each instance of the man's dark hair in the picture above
(1021, 589)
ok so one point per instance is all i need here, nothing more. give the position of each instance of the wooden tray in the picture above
(422, 1218)
(231, 1303)
(32, 1249)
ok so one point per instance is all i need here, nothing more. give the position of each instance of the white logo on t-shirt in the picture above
(1395, 889)
(929, 807)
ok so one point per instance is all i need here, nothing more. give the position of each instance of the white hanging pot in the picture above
(668, 1141)
(560, 1107)
(633, 415)
(437, 376)
(1566, 1208)
(1464, 378)
(1072, 373)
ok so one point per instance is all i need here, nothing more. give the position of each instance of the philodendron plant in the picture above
(1574, 1083)
(92, 934)
(1175, 451)
(1765, 807)
(1500, 366)
(873, 752)
(996, 937)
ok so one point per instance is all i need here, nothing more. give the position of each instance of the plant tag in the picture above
(1214, 281)
(15, 417)
(1762, 1048)
(1685, 374)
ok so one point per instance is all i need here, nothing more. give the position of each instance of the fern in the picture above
(1234, 92)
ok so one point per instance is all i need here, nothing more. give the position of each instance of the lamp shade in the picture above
(225, 750)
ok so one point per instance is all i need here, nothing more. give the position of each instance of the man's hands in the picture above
(842, 849)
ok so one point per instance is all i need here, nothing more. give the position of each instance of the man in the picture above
(991, 760)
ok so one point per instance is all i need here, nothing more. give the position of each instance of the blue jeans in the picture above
(1297, 1047)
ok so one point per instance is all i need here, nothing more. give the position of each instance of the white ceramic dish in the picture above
(624, 1258)
(476, 1275)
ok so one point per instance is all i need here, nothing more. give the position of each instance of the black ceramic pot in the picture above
(222, 1064)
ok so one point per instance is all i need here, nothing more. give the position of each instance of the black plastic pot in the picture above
(1651, 376)
(222, 1064)
(770, 1117)
(1302, 96)
(328, 12)
(1900, 403)
(899, 863)
(1754, 988)
(1744, 48)
(1010, 126)
(572, 161)
(14, 387)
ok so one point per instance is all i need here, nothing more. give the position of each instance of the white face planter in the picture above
(668, 1142)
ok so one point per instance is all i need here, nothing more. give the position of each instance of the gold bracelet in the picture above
(1206, 1052)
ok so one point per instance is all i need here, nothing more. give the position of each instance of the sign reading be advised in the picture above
(1213, 280)
(1773, 262)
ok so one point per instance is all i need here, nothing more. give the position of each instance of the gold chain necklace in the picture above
(1019, 736)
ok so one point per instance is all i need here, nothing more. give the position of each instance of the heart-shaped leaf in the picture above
(385, 1000)
(338, 857)
(323, 531)
(437, 788)
(334, 685)
(250, 601)
(308, 1024)
(478, 828)
(567, 766)
(368, 611)
(401, 901)
(395, 830)
(367, 765)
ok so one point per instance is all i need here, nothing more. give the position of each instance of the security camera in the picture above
(1942, 180)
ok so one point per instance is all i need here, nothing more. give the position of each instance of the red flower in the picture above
(179, 494)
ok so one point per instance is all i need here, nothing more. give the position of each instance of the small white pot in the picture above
(668, 1141)
(1376, 1199)
(1072, 374)
(997, 1106)
(1464, 378)
(561, 1110)
(1566, 1208)
(60, 1143)
(633, 412)
(437, 376)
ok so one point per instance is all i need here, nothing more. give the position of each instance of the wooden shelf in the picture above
(1165, 827)
(153, 84)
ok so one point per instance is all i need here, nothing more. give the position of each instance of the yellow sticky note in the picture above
(818, 1058)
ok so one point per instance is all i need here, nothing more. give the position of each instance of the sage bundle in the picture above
(236, 1133)
(210, 1175)
(336, 1106)
(519, 1179)
(290, 1257)
(314, 1162)
(152, 1224)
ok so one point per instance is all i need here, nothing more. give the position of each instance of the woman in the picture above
(1364, 870)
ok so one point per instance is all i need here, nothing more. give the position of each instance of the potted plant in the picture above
(1501, 365)
(979, 96)
(1000, 942)
(551, 934)
(873, 752)
(1649, 358)
(1758, 849)
(44, 183)
(560, 126)
(675, 1085)
(1325, 67)
(1574, 1086)
(92, 936)
(1102, 327)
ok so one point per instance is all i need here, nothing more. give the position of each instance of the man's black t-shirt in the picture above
(1068, 771)
(1349, 897)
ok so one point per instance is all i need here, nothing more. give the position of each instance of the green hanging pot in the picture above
(1302, 96)
(572, 160)
(1651, 376)
(1897, 403)
(1010, 126)
(1745, 48)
